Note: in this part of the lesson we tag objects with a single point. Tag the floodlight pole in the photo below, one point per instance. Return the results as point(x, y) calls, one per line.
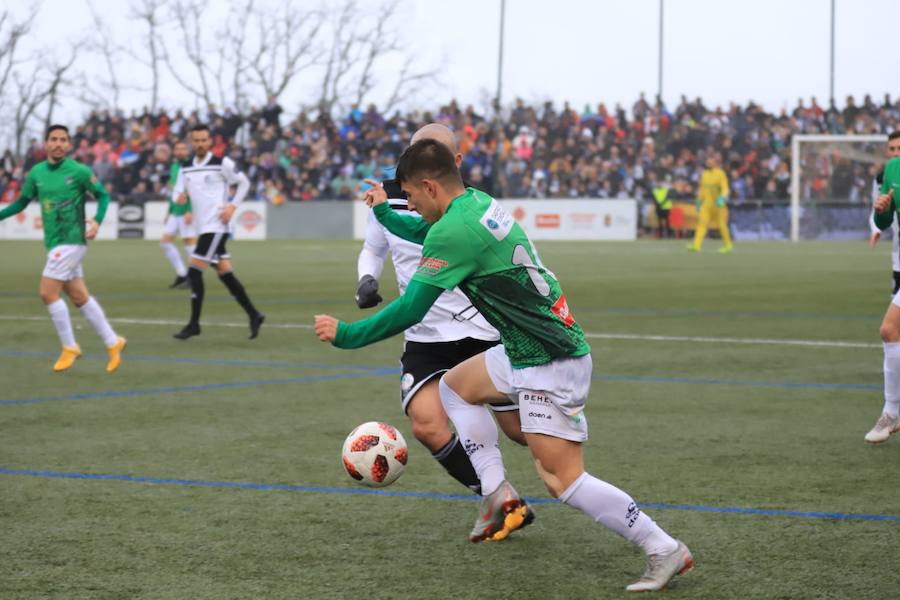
point(659, 81)
point(500, 55)
point(831, 79)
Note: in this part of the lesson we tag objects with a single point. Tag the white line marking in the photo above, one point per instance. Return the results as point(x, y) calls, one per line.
point(601, 336)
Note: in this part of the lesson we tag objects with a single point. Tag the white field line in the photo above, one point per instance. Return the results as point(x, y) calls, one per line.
point(600, 336)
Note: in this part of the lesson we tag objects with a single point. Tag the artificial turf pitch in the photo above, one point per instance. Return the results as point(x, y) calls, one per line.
point(731, 396)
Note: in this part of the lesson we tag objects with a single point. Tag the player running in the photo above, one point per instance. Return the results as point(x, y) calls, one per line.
point(60, 184)
point(207, 180)
point(179, 221)
point(543, 363)
point(450, 332)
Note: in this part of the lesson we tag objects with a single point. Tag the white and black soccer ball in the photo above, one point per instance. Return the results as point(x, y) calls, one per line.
point(375, 454)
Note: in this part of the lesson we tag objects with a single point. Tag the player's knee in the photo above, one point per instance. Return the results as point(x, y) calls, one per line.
point(431, 433)
point(48, 297)
point(889, 333)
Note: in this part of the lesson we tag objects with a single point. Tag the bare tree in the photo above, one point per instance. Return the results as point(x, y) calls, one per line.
point(103, 43)
point(30, 95)
point(188, 16)
point(150, 14)
point(57, 81)
point(11, 34)
point(287, 46)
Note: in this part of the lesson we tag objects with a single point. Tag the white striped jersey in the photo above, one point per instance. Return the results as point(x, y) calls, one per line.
point(452, 317)
point(208, 184)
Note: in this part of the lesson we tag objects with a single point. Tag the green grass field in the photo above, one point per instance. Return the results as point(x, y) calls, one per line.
point(124, 485)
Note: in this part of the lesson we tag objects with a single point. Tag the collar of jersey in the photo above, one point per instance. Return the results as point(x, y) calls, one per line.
point(203, 162)
point(53, 167)
point(468, 192)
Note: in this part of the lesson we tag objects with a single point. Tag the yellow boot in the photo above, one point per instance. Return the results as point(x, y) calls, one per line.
point(115, 354)
point(67, 358)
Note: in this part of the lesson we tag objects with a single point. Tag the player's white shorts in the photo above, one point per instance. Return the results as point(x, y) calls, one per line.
point(175, 226)
point(551, 397)
point(64, 262)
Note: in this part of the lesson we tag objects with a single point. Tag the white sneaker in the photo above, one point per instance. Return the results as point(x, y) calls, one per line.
point(884, 427)
point(661, 568)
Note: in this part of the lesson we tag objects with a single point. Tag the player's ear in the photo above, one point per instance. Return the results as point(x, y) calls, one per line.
point(430, 187)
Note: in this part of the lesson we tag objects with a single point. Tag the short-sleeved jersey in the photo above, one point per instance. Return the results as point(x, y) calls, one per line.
point(60, 189)
point(207, 183)
point(713, 183)
point(890, 181)
point(174, 207)
point(478, 246)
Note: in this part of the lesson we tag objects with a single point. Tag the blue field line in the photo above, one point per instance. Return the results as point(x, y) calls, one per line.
point(736, 382)
point(428, 495)
point(194, 388)
point(227, 362)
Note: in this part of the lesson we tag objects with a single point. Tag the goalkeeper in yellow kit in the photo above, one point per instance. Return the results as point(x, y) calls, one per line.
point(712, 198)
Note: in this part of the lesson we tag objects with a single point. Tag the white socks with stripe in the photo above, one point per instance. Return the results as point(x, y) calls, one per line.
point(59, 313)
point(174, 257)
point(608, 505)
point(94, 314)
point(892, 378)
point(478, 434)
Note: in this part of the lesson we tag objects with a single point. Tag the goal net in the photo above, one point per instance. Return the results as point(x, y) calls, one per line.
point(831, 185)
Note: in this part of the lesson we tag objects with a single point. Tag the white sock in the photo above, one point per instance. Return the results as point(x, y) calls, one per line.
point(892, 378)
point(174, 257)
point(478, 434)
point(93, 312)
point(59, 313)
point(610, 506)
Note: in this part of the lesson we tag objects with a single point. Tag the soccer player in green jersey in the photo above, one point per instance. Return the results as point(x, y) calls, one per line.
point(179, 221)
point(889, 421)
point(543, 363)
point(60, 184)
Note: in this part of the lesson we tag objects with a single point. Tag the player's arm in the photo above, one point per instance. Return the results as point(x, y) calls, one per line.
point(236, 178)
point(101, 195)
point(412, 229)
point(370, 264)
point(884, 205)
point(25, 196)
point(724, 190)
point(399, 315)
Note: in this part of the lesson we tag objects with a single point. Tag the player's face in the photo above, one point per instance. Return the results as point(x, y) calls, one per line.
point(893, 148)
point(202, 142)
point(181, 151)
point(421, 199)
point(57, 145)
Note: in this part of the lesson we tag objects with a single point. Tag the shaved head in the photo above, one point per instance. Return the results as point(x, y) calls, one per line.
point(437, 132)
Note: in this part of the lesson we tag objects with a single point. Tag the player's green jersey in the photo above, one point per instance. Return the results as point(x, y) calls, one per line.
point(478, 246)
point(174, 207)
point(61, 189)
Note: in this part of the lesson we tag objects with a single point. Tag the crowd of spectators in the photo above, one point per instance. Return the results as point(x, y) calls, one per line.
point(528, 151)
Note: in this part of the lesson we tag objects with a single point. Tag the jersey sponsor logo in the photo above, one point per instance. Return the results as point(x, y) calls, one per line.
point(70, 180)
point(561, 310)
point(430, 266)
point(497, 221)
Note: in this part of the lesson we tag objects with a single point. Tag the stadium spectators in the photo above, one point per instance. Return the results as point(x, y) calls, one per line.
point(532, 151)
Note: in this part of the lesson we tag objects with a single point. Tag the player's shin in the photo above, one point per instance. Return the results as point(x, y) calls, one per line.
point(195, 276)
point(612, 507)
point(59, 313)
point(174, 258)
point(479, 437)
point(236, 289)
point(892, 378)
point(455, 461)
point(94, 314)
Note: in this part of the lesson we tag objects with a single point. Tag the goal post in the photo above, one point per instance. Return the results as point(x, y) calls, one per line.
point(807, 149)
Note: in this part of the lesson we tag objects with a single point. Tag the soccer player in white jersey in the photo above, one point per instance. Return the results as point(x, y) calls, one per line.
point(451, 332)
point(207, 180)
point(179, 221)
point(888, 422)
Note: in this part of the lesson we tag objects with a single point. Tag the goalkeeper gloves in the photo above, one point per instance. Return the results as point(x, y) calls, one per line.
point(367, 292)
point(720, 201)
point(698, 204)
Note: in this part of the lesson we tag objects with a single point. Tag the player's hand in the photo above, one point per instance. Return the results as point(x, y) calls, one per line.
point(873, 239)
point(227, 213)
point(188, 218)
point(884, 202)
point(721, 201)
point(326, 327)
point(92, 228)
point(182, 198)
point(367, 294)
point(375, 195)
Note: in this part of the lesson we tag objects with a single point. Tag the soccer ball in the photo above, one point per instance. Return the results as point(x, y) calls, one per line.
point(375, 454)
